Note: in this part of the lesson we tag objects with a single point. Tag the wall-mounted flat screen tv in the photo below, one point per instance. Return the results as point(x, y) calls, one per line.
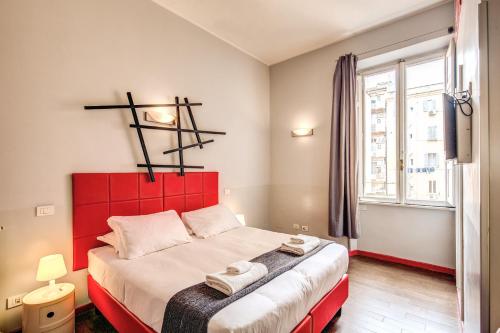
point(450, 127)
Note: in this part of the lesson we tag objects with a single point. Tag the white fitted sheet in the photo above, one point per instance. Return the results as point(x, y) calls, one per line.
point(146, 284)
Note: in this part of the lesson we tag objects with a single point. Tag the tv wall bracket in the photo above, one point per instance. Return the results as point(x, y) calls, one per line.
point(180, 148)
point(462, 98)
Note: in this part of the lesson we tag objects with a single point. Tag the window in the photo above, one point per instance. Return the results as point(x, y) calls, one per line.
point(432, 186)
point(431, 160)
point(432, 133)
point(429, 105)
point(402, 116)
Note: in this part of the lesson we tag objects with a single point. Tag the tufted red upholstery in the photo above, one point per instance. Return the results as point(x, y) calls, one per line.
point(97, 196)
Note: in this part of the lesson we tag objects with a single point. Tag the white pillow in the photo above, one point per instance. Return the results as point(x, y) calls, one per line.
point(143, 234)
point(210, 221)
point(109, 238)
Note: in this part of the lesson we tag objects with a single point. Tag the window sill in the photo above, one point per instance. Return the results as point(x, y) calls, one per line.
point(403, 205)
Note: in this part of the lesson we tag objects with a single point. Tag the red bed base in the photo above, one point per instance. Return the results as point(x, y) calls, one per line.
point(125, 321)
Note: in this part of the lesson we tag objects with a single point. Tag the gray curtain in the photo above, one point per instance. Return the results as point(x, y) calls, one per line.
point(343, 199)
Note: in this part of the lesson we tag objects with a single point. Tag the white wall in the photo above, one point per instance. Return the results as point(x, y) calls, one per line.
point(468, 55)
point(424, 235)
point(60, 55)
point(301, 95)
point(494, 161)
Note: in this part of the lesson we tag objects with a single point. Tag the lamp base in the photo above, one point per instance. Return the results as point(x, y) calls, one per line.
point(52, 290)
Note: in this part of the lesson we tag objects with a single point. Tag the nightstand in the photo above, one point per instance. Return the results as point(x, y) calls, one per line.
point(50, 309)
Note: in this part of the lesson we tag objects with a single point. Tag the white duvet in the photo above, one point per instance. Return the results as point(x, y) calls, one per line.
point(145, 284)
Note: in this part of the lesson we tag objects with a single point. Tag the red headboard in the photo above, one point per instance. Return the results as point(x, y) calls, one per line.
point(97, 196)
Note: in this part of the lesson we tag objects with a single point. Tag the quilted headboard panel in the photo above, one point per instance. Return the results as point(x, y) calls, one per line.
point(97, 196)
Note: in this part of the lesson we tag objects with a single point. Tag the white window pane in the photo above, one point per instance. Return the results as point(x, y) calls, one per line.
point(425, 158)
point(380, 153)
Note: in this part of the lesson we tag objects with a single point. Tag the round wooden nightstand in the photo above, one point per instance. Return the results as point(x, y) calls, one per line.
point(50, 310)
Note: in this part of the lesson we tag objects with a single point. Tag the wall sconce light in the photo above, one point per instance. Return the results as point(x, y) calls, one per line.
point(160, 116)
point(302, 132)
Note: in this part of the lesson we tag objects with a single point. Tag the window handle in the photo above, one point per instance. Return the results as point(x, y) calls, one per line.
point(401, 165)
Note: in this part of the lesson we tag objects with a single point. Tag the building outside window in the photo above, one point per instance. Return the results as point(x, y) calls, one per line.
point(380, 174)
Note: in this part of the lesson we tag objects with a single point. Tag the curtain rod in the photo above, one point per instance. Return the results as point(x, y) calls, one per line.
point(439, 33)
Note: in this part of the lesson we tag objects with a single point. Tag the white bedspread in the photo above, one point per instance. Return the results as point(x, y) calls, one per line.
point(145, 285)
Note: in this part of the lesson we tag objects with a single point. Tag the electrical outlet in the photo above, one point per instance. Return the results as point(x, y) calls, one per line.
point(14, 301)
point(45, 210)
point(296, 226)
point(227, 191)
point(304, 228)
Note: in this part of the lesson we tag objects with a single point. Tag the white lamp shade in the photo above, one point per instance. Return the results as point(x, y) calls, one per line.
point(51, 267)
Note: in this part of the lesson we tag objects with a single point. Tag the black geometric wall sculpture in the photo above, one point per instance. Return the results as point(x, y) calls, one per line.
point(179, 129)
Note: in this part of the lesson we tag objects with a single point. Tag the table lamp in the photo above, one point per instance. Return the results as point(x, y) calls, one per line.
point(51, 268)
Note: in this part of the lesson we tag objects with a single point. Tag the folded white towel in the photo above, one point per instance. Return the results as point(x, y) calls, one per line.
point(300, 249)
point(239, 267)
point(230, 283)
point(301, 239)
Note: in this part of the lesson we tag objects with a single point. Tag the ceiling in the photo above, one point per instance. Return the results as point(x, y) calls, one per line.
point(275, 30)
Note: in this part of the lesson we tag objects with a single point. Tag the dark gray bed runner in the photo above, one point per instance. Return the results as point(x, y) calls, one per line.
point(190, 310)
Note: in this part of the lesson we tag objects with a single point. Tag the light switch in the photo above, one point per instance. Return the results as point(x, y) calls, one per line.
point(45, 210)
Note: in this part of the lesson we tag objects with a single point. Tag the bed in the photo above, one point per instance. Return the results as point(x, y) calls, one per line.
point(132, 294)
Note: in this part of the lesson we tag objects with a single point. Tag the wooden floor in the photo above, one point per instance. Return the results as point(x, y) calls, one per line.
point(383, 298)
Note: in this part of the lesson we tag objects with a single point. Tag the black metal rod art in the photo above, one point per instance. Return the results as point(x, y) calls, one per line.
point(193, 123)
point(172, 166)
point(141, 138)
point(179, 135)
point(184, 130)
point(138, 106)
point(180, 148)
point(187, 147)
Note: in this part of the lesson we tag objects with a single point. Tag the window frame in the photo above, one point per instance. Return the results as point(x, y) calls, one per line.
point(401, 141)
